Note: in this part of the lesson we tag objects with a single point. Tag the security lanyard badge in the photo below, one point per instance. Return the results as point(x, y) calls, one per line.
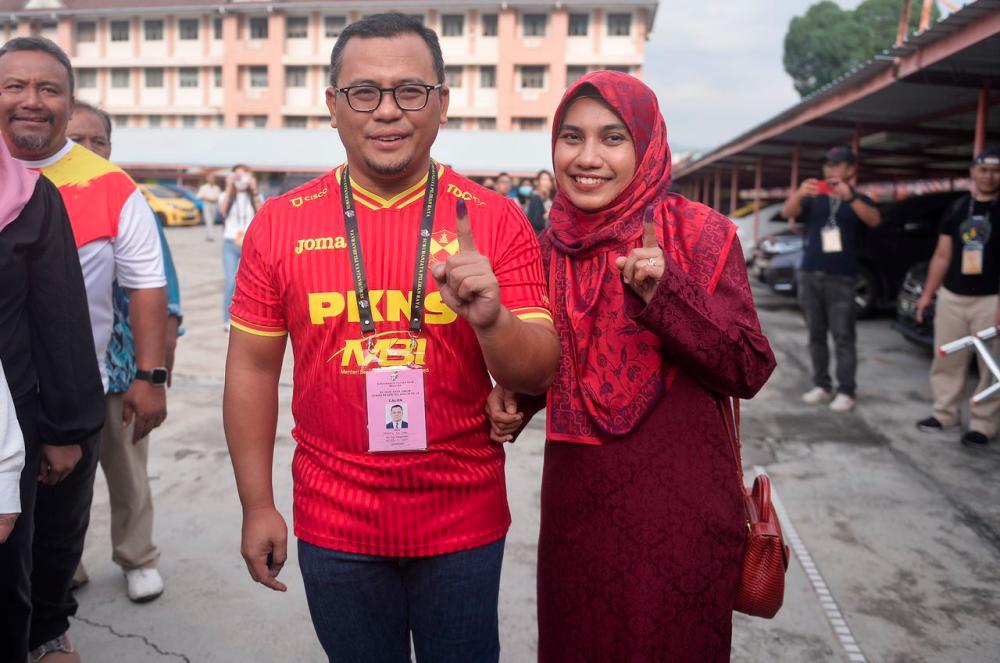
point(975, 233)
point(832, 242)
point(395, 394)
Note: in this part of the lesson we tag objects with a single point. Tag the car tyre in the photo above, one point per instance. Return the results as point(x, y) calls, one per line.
point(865, 293)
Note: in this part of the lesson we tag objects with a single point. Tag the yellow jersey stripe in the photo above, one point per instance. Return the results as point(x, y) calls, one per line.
point(256, 332)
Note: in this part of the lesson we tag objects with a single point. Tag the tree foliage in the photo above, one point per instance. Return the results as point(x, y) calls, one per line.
point(827, 41)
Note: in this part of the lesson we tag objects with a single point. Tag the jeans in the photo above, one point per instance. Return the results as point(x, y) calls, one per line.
point(827, 301)
point(366, 607)
point(230, 263)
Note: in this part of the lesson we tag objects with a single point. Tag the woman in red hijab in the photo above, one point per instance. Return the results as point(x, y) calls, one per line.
point(642, 524)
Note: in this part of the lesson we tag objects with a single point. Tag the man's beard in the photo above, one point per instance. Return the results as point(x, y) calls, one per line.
point(388, 170)
point(30, 142)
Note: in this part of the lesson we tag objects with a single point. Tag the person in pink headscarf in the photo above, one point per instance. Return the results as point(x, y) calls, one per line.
point(642, 524)
point(47, 353)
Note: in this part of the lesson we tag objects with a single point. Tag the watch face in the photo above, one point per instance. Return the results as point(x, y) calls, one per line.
point(159, 376)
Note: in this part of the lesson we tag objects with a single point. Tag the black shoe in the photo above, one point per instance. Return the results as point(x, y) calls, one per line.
point(975, 440)
point(930, 425)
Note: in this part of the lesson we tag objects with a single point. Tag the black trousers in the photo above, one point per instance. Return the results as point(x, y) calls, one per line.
point(38, 560)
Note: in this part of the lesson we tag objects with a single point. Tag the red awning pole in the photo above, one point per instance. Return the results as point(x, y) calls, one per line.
point(757, 183)
point(904, 22)
point(734, 189)
point(980, 140)
point(717, 199)
point(794, 184)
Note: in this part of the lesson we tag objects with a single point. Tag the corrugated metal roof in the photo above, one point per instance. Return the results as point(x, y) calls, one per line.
point(304, 150)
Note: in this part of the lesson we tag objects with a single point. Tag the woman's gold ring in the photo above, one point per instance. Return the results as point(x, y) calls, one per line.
point(652, 262)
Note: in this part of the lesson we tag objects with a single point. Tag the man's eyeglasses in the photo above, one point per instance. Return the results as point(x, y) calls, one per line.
point(408, 96)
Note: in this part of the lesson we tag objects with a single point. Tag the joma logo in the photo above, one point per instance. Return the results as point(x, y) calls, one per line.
point(320, 244)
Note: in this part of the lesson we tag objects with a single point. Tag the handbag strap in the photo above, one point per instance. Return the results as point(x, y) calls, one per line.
point(731, 419)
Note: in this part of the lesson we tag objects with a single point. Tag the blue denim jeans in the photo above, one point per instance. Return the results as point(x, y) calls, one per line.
point(365, 608)
point(230, 263)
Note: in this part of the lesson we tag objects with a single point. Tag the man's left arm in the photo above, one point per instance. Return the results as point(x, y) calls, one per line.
point(139, 269)
point(521, 354)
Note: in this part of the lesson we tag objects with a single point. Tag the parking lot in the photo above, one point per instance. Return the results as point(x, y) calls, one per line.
point(898, 532)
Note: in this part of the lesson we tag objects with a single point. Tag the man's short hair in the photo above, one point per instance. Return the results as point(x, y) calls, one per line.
point(395, 406)
point(101, 114)
point(42, 45)
point(504, 174)
point(386, 26)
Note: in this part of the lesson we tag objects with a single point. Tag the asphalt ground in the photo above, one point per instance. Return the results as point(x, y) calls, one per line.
point(897, 532)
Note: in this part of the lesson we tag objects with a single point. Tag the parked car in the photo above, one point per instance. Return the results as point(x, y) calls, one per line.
point(169, 208)
point(771, 222)
point(920, 333)
point(907, 235)
point(184, 193)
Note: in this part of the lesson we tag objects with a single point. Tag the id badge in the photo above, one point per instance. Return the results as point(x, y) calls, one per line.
point(831, 240)
point(396, 410)
point(972, 259)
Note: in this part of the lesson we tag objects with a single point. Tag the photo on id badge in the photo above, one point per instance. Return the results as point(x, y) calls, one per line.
point(975, 232)
point(396, 412)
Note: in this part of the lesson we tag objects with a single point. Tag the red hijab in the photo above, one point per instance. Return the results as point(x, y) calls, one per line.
point(612, 370)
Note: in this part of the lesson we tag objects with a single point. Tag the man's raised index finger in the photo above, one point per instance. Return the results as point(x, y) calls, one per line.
point(466, 242)
point(649, 238)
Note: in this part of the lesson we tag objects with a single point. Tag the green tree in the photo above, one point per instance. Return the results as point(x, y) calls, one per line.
point(828, 41)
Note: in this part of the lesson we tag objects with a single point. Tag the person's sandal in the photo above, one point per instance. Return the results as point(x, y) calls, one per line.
point(56, 650)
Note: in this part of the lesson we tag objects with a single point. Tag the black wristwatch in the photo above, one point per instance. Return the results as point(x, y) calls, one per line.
point(156, 376)
point(854, 195)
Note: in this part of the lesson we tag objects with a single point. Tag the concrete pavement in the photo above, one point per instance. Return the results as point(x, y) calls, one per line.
point(901, 527)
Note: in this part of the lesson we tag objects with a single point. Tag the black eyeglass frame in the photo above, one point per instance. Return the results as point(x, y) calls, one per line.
point(382, 92)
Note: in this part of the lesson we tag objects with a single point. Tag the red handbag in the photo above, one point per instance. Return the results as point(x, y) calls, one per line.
point(765, 559)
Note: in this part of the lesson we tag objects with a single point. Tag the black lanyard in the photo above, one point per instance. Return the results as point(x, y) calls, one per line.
point(423, 253)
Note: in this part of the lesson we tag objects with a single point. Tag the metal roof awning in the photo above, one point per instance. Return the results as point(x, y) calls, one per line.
point(916, 111)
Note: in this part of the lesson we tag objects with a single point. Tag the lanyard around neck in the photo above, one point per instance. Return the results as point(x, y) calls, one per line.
point(358, 261)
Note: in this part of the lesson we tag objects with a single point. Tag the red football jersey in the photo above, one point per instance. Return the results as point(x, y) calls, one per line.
point(295, 278)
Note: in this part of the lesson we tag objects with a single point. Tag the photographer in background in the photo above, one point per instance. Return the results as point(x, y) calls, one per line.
point(831, 210)
point(238, 204)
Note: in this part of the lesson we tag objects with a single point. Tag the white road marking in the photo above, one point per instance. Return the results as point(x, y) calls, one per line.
point(826, 599)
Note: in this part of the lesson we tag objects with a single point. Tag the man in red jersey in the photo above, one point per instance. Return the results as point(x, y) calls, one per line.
point(400, 530)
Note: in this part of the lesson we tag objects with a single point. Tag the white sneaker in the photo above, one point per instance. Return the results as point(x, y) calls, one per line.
point(816, 396)
point(143, 584)
point(842, 403)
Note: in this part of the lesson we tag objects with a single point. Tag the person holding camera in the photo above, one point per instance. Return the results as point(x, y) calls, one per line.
point(238, 205)
point(831, 210)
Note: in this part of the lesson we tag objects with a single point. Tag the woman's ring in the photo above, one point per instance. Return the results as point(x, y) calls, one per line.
point(652, 262)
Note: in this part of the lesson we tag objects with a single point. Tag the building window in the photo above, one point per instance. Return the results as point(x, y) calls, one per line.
point(188, 77)
point(489, 25)
point(295, 76)
point(121, 78)
point(258, 76)
point(529, 123)
point(155, 121)
point(258, 27)
point(454, 123)
point(189, 121)
point(86, 78)
point(532, 77)
point(453, 76)
point(619, 25)
point(333, 26)
point(86, 32)
point(217, 76)
point(488, 76)
point(220, 120)
point(217, 28)
point(154, 77)
point(119, 30)
point(259, 121)
point(452, 25)
point(297, 27)
point(296, 122)
point(574, 72)
point(579, 24)
point(534, 25)
point(486, 123)
point(187, 28)
point(625, 69)
point(119, 120)
point(152, 30)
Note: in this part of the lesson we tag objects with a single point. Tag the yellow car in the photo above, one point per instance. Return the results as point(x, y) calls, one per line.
point(170, 208)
